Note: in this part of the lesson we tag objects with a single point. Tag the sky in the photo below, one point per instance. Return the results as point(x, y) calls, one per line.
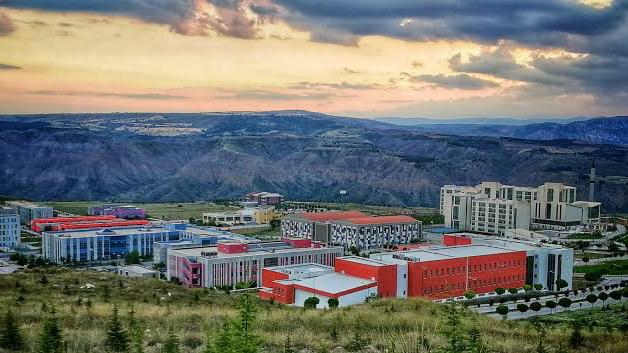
point(363, 58)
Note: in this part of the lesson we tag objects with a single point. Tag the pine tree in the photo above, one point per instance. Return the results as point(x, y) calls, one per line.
point(172, 343)
point(476, 345)
point(10, 335)
point(576, 339)
point(287, 348)
point(51, 339)
point(245, 341)
point(236, 335)
point(117, 339)
point(540, 347)
point(456, 340)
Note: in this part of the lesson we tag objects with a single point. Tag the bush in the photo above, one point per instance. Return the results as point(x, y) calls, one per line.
point(538, 286)
point(615, 294)
point(564, 302)
point(536, 306)
point(500, 291)
point(502, 310)
point(469, 294)
point(522, 308)
point(311, 303)
point(550, 304)
point(513, 290)
point(591, 298)
point(332, 303)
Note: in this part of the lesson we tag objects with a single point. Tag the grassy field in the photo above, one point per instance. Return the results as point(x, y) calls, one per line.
point(167, 211)
point(617, 267)
point(400, 326)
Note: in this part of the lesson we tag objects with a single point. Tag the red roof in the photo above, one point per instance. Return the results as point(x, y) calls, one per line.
point(332, 216)
point(381, 220)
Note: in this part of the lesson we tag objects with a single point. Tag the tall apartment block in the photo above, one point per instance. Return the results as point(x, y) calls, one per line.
point(9, 227)
point(492, 207)
point(29, 211)
point(352, 229)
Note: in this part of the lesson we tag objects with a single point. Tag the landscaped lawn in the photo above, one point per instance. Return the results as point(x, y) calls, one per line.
point(166, 211)
point(618, 267)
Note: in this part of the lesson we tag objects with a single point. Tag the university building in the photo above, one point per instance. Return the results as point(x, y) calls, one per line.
point(465, 262)
point(494, 208)
point(9, 227)
point(352, 229)
point(230, 263)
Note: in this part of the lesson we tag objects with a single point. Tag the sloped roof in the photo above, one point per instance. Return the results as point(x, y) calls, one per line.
point(380, 220)
point(331, 216)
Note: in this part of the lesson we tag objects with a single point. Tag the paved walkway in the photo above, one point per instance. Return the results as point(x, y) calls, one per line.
point(578, 302)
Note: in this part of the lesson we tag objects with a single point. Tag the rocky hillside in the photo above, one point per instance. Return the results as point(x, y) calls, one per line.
point(305, 156)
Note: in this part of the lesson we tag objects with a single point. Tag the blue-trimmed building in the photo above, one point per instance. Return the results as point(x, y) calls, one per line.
point(103, 244)
point(114, 243)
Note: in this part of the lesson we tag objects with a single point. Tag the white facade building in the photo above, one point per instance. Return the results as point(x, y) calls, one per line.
point(137, 271)
point(494, 208)
point(231, 263)
point(9, 227)
point(29, 211)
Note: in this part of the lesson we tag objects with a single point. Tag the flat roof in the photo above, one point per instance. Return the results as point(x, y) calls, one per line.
point(436, 253)
point(333, 282)
point(364, 260)
point(137, 269)
point(330, 216)
point(196, 251)
point(379, 220)
point(311, 269)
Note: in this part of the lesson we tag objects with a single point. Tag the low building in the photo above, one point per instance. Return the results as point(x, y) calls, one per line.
point(29, 211)
point(190, 236)
point(229, 218)
point(294, 284)
point(264, 198)
point(119, 211)
point(9, 227)
point(545, 263)
point(263, 215)
point(466, 263)
point(102, 244)
point(228, 264)
point(137, 271)
point(352, 229)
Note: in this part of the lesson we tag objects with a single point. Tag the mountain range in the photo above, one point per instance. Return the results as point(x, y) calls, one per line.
point(303, 155)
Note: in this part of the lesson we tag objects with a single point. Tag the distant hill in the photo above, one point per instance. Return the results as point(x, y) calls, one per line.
point(303, 155)
point(610, 130)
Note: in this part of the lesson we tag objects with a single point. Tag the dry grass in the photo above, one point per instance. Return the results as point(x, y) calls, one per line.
point(410, 326)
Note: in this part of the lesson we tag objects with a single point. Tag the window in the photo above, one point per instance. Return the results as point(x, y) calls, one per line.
point(548, 211)
point(550, 195)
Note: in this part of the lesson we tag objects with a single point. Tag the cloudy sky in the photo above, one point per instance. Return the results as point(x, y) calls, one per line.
point(432, 58)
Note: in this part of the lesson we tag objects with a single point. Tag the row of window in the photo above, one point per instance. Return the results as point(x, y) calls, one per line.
point(456, 270)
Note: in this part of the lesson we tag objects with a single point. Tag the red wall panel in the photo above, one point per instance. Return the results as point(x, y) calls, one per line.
point(386, 276)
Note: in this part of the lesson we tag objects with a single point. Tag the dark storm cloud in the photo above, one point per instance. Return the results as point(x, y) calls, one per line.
point(534, 22)
point(461, 81)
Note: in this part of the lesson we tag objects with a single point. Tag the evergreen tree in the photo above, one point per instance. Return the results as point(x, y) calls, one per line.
point(287, 348)
point(456, 340)
point(236, 335)
point(51, 339)
point(10, 335)
point(540, 347)
point(137, 339)
point(172, 342)
point(117, 339)
point(576, 339)
point(476, 345)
